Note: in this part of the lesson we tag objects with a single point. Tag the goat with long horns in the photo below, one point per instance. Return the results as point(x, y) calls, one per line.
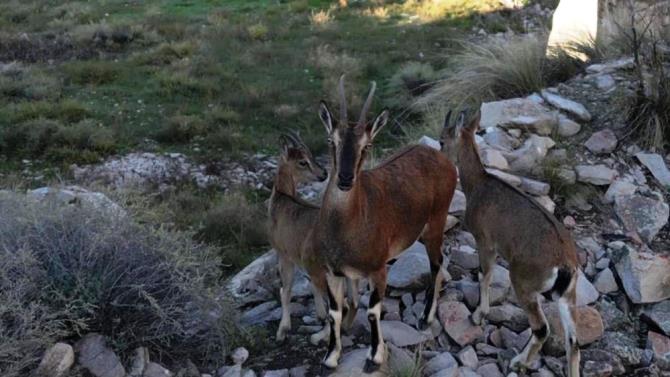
point(369, 217)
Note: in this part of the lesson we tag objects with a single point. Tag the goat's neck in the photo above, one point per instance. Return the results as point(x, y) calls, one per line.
point(347, 203)
point(471, 171)
point(284, 182)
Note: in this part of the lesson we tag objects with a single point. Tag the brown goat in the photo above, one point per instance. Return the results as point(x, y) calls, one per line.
point(540, 251)
point(368, 217)
point(290, 230)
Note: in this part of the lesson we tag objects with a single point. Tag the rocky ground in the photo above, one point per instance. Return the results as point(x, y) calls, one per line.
point(611, 194)
point(614, 199)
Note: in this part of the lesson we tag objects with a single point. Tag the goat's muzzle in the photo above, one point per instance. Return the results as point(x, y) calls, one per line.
point(345, 181)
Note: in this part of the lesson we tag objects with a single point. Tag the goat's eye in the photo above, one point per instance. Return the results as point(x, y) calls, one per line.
point(368, 147)
point(302, 163)
point(330, 140)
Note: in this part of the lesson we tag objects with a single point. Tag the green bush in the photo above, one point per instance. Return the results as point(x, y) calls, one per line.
point(68, 270)
point(181, 128)
point(83, 141)
point(409, 82)
point(92, 72)
point(236, 225)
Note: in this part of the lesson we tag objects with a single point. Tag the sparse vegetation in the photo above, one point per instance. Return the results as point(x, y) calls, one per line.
point(68, 270)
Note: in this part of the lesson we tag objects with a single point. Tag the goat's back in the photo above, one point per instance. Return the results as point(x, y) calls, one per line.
point(291, 224)
point(520, 229)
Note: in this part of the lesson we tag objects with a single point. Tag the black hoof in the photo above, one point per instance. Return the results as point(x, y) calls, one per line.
point(423, 325)
point(325, 370)
point(370, 366)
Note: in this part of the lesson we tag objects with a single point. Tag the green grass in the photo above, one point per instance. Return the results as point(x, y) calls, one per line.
point(134, 66)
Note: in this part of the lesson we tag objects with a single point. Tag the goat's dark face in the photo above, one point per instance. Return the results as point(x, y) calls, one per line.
point(349, 145)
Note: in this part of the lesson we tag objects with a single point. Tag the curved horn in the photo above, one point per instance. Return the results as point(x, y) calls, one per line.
point(296, 139)
point(446, 119)
point(368, 102)
point(343, 102)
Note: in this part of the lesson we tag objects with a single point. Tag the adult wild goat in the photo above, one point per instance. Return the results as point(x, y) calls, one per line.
point(291, 224)
point(370, 216)
point(540, 251)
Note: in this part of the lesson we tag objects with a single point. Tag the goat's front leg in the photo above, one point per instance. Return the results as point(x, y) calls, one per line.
point(286, 272)
point(335, 300)
point(352, 307)
point(377, 352)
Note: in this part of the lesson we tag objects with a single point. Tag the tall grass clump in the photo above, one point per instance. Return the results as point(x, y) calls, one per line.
point(499, 70)
point(67, 270)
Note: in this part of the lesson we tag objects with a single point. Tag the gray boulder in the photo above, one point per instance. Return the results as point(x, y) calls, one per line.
point(455, 319)
point(411, 270)
point(602, 142)
point(443, 364)
point(401, 334)
point(645, 276)
point(654, 162)
point(567, 127)
point(643, 215)
point(659, 314)
point(569, 106)
point(599, 175)
point(57, 361)
point(94, 356)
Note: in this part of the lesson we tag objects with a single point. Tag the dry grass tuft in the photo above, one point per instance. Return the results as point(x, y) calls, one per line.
point(69, 270)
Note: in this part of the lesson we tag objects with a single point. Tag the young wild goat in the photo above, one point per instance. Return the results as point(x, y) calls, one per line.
point(291, 224)
point(540, 251)
point(370, 216)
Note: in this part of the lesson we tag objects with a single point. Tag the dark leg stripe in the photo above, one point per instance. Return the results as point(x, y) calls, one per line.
point(374, 299)
point(541, 333)
point(374, 334)
point(331, 341)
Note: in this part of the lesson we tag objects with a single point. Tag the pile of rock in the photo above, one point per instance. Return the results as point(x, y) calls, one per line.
point(91, 354)
point(623, 293)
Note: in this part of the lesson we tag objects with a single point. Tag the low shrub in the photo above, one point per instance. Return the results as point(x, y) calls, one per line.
point(92, 72)
point(68, 270)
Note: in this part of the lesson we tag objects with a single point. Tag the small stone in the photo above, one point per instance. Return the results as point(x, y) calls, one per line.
point(276, 373)
point(300, 371)
point(508, 315)
point(100, 361)
point(654, 162)
point(605, 282)
point(429, 141)
point(586, 292)
point(455, 319)
point(659, 314)
point(466, 257)
point(659, 344)
point(567, 176)
point(401, 334)
point(500, 140)
point(602, 263)
point(458, 202)
point(240, 355)
point(600, 359)
point(533, 151)
point(156, 370)
point(605, 82)
point(541, 124)
point(468, 357)
point(599, 175)
point(534, 187)
point(56, 361)
point(490, 370)
point(493, 158)
point(567, 105)
point(567, 127)
point(602, 142)
point(569, 222)
point(140, 361)
point(443, 363)
point(619, 187)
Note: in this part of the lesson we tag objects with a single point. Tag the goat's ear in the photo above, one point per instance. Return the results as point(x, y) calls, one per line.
point(285, 144)
point(473, 126)
point(460, 124)
point(326, 117)
point(380, 121)
point(446, 128)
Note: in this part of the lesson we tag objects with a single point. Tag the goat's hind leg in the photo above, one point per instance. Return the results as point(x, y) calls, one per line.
point(432, 237)
point(487, 261)
point(319, 288)
point(352, 303)
point(567, 310)
point(540, 328)
point(286, 273)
